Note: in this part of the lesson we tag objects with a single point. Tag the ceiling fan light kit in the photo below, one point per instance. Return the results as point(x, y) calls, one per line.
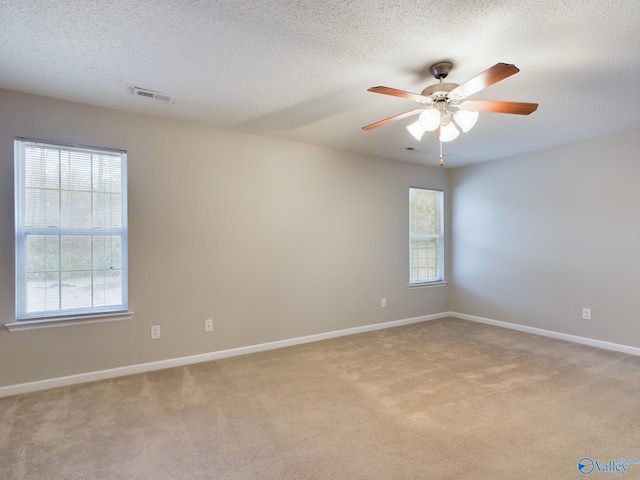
point(430, 119)
point(443, 105)
point(416, 129)
point(466, 119)
point(448, 132)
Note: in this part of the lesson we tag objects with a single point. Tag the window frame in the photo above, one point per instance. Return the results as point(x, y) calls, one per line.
point(22, 231)
point(440, 239)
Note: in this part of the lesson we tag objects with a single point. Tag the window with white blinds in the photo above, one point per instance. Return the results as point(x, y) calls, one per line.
point(426, 236)
point(71, 230)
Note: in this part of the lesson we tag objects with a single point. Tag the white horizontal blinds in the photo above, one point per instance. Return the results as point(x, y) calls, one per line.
point(425, 236)
point(70, 230)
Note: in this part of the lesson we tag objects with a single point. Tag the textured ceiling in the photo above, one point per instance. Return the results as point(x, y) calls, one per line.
point(299, 69)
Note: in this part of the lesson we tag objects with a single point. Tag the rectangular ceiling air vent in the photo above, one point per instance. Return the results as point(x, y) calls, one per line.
point(161, 97)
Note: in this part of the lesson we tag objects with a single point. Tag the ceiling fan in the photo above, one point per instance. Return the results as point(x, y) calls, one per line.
point(444, 105)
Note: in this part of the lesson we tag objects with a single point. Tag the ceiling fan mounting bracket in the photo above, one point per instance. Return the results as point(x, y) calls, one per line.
point(440, 70)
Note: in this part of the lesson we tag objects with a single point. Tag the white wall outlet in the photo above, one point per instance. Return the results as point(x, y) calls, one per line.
point(586, 314)
point(208, 325)
point(383, 303)
point(155, 332)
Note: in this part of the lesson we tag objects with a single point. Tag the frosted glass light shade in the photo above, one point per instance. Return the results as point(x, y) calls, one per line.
point(430, 119)
point(416, 129)
point(448, 132)
point(466, 119)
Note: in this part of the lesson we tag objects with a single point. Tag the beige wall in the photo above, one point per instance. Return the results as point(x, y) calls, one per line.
point(277, 240)
point(271, 239)
point(539, 236)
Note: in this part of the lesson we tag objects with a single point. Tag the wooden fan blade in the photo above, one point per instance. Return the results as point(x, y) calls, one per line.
point(518, 108)
point(392, 119)
point(398, 93)
point(498, 72)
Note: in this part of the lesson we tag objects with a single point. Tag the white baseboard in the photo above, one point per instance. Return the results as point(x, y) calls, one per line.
point(616, 347)
point(204, 357)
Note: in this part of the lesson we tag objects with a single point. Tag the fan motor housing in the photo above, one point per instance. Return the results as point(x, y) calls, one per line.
point(438, 91)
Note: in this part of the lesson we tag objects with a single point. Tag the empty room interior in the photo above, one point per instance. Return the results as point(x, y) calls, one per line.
point(233, 246)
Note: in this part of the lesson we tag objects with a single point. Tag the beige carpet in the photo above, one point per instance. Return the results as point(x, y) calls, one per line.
point(446, 399)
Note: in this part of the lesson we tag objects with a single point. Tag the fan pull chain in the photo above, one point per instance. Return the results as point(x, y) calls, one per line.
point(441, 161)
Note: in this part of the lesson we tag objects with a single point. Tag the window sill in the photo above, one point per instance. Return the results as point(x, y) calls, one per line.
point(427, 285)
point(67, 321)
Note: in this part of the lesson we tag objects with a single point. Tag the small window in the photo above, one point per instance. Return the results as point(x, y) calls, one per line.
point(426, 239)
point(71, 230)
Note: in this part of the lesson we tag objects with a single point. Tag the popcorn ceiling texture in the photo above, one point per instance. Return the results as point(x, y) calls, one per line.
point(299, 70)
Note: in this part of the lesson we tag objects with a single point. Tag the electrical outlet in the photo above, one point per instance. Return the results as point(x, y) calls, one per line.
point(155, 332)
point(586, 314)
point(383, 303)
point(208, 325)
